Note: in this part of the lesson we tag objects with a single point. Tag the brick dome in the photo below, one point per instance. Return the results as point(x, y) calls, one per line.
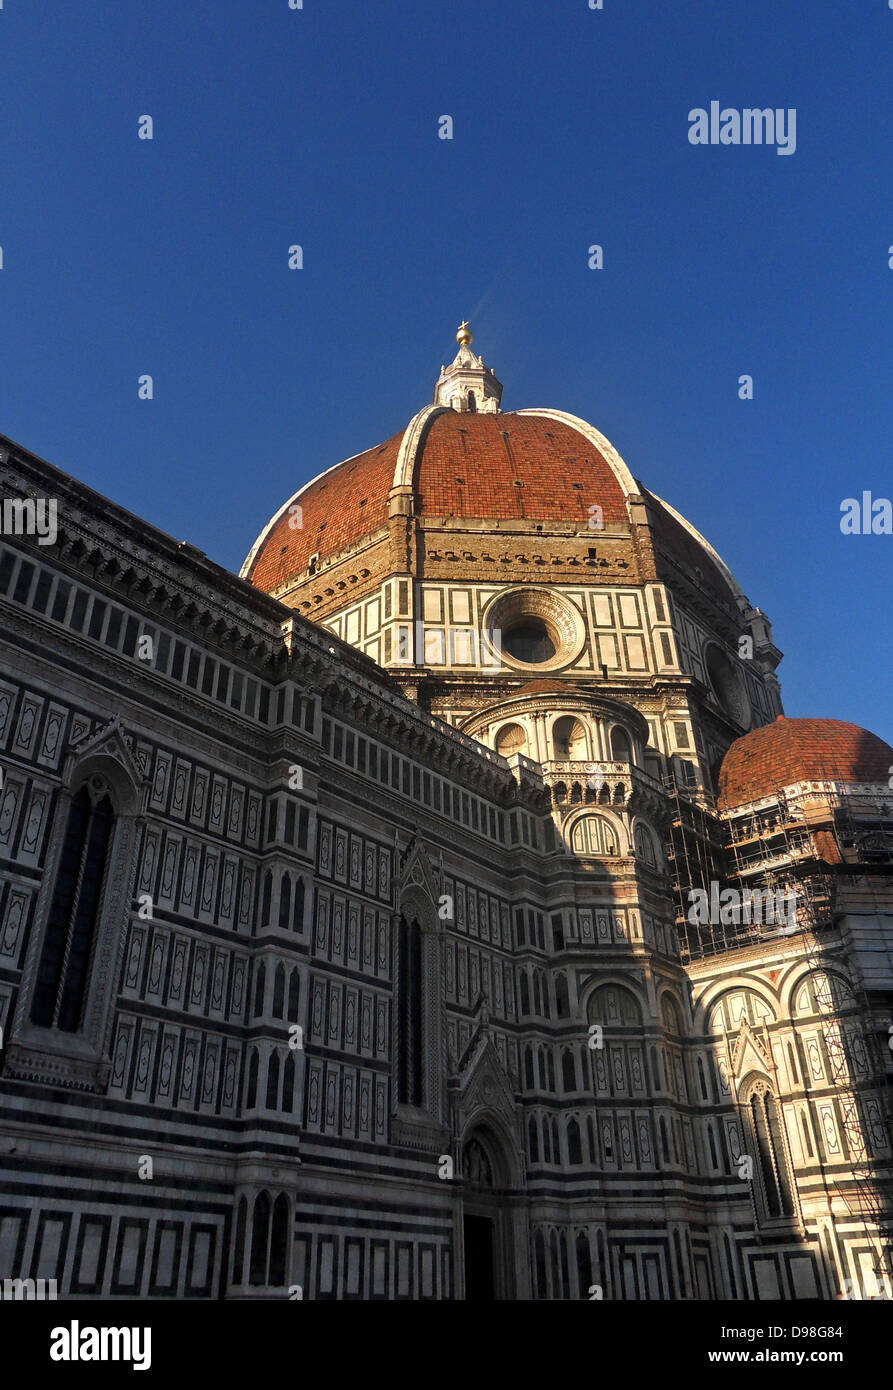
point(506, 467)
point(800, 750)
point(468, 489)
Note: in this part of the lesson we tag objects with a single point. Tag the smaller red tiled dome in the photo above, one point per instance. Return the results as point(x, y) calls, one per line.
point(800, 750)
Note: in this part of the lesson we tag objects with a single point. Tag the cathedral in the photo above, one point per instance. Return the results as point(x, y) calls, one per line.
point(443, 908)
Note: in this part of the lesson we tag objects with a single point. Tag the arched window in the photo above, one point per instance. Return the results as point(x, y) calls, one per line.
point(259, 983)
point(260, 1239)
point(471, 403)
point(265, 899)
point(273, 1082)
point(767, 1148)
point(614, 1005)
point(525, 993)
point(511, 739)
point(594, 835)
point(539, 1247)
point(568, 1071)
point(621, 751)
point(289, 1083)
point(294, 987)
point(574, 1144)
point(533, 1140)
point(669, 1012)
point(251, 1087)
point(239, 1243)
point(409, 1001)
point(63, 970)
point(569, 739)
point(562, 1002)
point(297, 914)
point(529, 1077)
point(645, 845)
point(279, 992)
point(279, 1242)
point(285, 902)
point(664, 1141)
point(550, 1066)
point(584, 1264)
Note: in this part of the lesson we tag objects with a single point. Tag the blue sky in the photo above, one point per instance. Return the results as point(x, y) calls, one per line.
point(319, 127)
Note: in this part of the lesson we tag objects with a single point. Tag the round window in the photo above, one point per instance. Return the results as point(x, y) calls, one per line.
point(534, 628)
point(529, 641)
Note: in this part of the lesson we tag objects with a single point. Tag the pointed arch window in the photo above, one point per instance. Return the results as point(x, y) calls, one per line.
point(409, 1004)
point(63, 969)
point(285, 902)
point(768, 1149)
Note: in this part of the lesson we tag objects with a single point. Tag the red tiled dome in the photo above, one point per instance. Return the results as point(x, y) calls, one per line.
point(800, 750)
point(488, 466)
point(337, 509)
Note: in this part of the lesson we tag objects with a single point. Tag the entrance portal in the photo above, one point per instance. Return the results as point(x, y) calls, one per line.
point(480, 1253)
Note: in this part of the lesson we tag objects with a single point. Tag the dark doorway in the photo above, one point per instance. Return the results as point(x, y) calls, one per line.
point(479, 1254)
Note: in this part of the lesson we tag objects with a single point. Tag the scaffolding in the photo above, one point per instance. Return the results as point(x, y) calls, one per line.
point(777, 847)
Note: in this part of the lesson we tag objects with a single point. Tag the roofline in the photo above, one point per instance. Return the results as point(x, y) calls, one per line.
point(245, 571)
point(693, 531)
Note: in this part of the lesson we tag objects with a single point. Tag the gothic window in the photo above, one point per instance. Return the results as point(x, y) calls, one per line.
point(279, 1242)
point(539, 1246)
point(266, 895)
point(562, 1003)
point(251, 1087)
point(294, 986)
point(525, 993)
point(259, 983)
point(645, 845)
point(260, 1234)
point(289, 1083)
point(63, 969)
point(409, 1005)
point(268, 1264)
point(285, 902)
point(773, 1184)
point(574, 1143)
point(239, 1255)
point(568, 1071)
point(669, 1011)
point(529, 1079)
point(273, 1083)
point(533, 1140)
point(584, 1264)
point(298, 906)
point(279, 992)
